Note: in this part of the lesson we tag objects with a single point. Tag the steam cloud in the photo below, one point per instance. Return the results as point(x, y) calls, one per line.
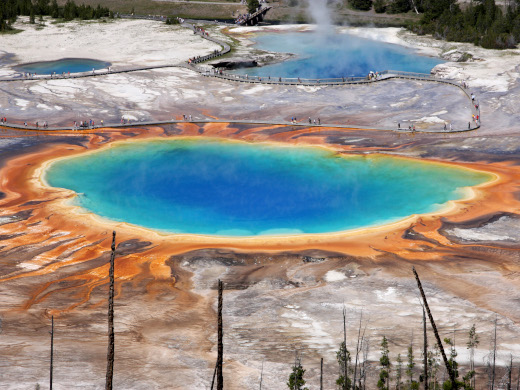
point(320, 12)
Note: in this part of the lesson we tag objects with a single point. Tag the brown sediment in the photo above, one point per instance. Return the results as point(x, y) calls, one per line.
point(79, 240)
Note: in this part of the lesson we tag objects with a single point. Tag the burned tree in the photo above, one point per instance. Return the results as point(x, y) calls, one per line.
point(437, 337)
point(110, 353)
point(52, 353)
point(220, 344)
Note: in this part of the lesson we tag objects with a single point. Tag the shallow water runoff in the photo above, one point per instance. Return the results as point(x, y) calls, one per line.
point(335, 55)
point(238, 189)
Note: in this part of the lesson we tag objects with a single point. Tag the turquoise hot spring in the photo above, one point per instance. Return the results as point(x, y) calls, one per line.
point(64, 65)
point(227, 188)
point(333, 55)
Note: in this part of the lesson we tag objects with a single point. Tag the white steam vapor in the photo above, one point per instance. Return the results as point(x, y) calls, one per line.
point(320, 12)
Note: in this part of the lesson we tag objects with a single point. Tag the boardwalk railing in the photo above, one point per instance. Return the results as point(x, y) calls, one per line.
point(282, 80)
point(289, 125)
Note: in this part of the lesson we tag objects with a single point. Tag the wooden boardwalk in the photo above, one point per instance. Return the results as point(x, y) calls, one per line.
point(255, 18)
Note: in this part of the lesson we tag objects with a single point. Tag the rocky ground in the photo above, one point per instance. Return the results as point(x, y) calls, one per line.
point(279, 297)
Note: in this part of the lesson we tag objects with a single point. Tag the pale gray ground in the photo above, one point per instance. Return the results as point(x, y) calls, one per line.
point(167, 93)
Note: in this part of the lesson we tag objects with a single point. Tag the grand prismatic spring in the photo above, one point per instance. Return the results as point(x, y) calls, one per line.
point(203, 187)
point(307, 200)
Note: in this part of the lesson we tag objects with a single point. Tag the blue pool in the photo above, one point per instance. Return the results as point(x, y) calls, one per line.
point(239, 189)
point(72, 65)
point(335, 55)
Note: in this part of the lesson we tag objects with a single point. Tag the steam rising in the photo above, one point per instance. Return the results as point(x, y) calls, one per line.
point(319, 11)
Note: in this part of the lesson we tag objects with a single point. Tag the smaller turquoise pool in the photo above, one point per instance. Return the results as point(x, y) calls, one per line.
point(72, 65)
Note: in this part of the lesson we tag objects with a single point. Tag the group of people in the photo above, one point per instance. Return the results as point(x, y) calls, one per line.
point(243, 17)
point(3, 120)
point(372, 76)
point(45, 125)
point(411, 127)
point(316, 121)
point(84, 124)
point(200, 30)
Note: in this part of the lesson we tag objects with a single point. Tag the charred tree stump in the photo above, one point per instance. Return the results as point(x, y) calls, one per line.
point(220, 344)
point(437, 337)
point(110, 353)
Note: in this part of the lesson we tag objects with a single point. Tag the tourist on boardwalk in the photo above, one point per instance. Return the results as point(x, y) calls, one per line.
point(319, 121)
point(309, 120)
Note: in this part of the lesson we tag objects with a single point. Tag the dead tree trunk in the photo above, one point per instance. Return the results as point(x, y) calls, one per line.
point(110, 353)
point(425, 350)
point(321, 374)
point(220, 345)
point(345, 349)
point(357, 351)
point(494, 356)
point(262, 374)
point(52, 352)
point(214, 375)
point(366, 350)
point(437, 337)
point(509, 373)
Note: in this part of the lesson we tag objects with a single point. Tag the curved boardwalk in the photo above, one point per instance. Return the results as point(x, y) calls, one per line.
point(192, 64)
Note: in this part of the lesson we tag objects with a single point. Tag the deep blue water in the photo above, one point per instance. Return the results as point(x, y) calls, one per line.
point(227, 188)
point(72, 65)
point(335, 55)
